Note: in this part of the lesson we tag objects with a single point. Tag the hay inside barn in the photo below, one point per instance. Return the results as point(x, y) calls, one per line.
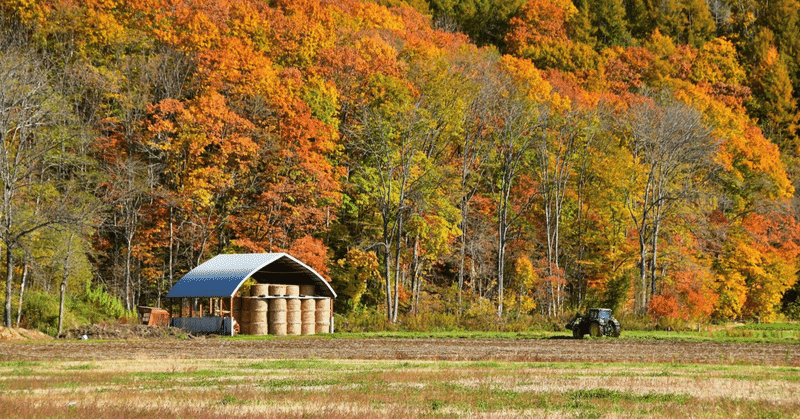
point(210, 298)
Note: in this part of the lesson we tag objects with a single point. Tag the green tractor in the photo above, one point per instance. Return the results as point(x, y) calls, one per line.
point(597, 322)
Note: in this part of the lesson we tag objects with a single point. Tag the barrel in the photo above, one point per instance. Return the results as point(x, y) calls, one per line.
point(293, 323)
point(307, 290)
point(292, 290)
point(308, 316)
point(257, 290)
point(277, 316)
point(323, 315)
point(244, 324)
point(277, 290)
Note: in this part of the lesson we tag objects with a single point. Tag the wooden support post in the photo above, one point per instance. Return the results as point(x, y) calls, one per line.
point(331, 327)
point(231, 314)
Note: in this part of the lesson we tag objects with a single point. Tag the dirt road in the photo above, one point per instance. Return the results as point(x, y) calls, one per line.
point(528, 350)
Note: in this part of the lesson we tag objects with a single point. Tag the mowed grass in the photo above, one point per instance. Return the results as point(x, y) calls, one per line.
point(315, 388)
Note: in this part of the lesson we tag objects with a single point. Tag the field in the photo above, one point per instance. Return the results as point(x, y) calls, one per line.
point(352, 377)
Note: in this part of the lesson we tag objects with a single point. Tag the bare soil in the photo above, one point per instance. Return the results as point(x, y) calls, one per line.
point(122, 331)
point(527, 350)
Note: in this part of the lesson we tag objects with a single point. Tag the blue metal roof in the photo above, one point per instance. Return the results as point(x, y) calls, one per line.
point(222, 275)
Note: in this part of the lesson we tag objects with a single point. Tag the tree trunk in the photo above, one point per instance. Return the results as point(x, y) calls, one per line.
point(462, 256)
point(9, 284)
point(64, 278)
point(501, 254)
point(22, 292)
point(128, 252)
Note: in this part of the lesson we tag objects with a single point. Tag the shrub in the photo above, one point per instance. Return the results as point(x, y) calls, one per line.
point(362, 319)
point(40, 311)
point(95, 305)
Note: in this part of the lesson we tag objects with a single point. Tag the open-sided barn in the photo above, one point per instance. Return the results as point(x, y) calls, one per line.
point(255, 293)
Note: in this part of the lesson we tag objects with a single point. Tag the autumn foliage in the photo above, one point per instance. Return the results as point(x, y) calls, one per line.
point(597, 155)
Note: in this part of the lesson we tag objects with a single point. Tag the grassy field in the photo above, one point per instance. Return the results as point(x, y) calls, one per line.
point(316, 388)
point(178, 385)
point(757, 333)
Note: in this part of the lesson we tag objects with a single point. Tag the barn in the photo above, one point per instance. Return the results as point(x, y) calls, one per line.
point(256, 294)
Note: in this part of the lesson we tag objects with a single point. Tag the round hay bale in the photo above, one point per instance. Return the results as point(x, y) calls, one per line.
point(277, 316)
point(292, 290)
point(258, 304)
point(323, 305)
point(293, 316)
point(244, 322)
point(293, 304)
point(258, 316)
point(277, 290)
point(323, 315)
point(308, 316)
point(307, 290)
point(277, 329)
point(277, 305)
point(259, 329)
point(294, 329)
point(308, 305)
point(257, 290)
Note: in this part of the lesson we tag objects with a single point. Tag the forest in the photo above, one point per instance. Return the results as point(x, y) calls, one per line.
point(445, 163)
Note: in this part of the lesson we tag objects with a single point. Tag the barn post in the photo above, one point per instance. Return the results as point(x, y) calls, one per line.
point(169, 307)
point(331, 314)
point(230, 314)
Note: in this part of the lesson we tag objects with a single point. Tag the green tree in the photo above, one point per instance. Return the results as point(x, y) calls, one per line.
point(606, 21)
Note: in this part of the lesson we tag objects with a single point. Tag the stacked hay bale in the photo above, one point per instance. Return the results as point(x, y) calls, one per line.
point(323, 315)
point(259, 290)
point(293, 323)
point(277, 310)
point(308, 306)
point(258, 316)
point(244, 325)
point(280, 310)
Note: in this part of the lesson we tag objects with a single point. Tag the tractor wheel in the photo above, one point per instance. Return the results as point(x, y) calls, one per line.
point(595, 330)
point(576, 333)
point(617, 329)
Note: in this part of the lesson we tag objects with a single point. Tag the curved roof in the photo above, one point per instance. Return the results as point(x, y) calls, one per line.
point(222, 275)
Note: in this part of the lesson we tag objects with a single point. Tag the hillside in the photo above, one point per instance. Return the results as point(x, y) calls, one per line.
point(449, 160)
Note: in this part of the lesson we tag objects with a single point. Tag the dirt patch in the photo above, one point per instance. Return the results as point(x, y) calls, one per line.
point(122, 332)
point(525, 350)
point(18, 334)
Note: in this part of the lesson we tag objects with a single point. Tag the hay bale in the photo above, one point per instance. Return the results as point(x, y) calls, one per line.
point(308, 316)
point(277, 316)
point(323, 315)
point(258, 304)
point(292, 290)
point(259, 329)
point(258, 290)
point(277, 290)
point(244, 324)
point(293, 316)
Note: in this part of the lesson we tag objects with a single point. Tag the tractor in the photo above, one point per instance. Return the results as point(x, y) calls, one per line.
point(597, 322)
